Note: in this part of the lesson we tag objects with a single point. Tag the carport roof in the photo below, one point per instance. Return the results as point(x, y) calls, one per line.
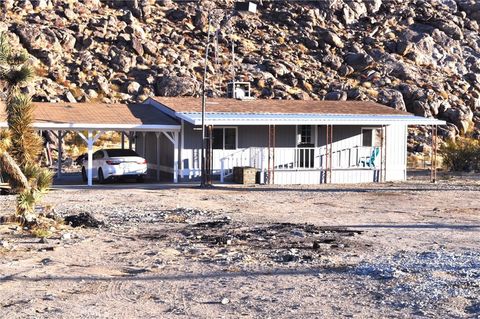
point(98, 116)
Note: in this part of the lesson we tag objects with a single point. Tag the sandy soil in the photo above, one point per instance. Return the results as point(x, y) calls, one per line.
point(416, 254)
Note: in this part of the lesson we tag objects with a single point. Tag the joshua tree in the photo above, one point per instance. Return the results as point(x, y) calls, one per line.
point(20, 145)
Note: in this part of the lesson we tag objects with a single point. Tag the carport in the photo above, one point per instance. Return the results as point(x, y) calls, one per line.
point(91, 120)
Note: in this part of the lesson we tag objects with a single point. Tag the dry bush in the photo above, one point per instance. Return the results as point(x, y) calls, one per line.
point(461, 155)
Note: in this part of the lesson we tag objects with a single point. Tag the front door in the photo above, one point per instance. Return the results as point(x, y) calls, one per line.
point(306, 146)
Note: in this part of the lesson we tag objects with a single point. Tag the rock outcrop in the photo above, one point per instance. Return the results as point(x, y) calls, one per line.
point(417, 55)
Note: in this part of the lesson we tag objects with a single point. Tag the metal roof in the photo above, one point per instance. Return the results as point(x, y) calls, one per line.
point(98, 116)
point(287, 112)
point(304, 119)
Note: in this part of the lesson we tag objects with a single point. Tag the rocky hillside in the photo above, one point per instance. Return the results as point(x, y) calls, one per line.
point(419, 55)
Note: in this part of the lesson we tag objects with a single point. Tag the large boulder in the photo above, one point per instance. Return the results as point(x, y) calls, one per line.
point(176, 86)
point(392, 98)
point(460, 117)
point(336, 96)
point(42, 43)
point(471, 8)
point(331, 38)
point(358, 61)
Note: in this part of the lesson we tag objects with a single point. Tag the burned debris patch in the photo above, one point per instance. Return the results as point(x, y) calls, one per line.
point(222, 240)
point(83, 220)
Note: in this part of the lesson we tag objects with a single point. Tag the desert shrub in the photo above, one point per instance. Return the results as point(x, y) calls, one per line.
point(461, 155)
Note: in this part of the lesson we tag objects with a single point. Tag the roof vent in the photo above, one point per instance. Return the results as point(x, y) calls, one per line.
point(239, 90)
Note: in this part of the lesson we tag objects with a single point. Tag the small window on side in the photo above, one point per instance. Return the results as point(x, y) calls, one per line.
point(217, 135)
point(371, 137)
point(367, 137)
point(230, 139)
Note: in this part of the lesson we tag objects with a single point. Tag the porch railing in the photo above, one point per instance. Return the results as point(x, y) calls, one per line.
point(293, 159)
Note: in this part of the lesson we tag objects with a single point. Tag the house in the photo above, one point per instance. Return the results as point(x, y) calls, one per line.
point(287, 141)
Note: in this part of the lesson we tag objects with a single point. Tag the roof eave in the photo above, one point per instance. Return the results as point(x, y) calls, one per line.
point(328, 119)
point(104, 127)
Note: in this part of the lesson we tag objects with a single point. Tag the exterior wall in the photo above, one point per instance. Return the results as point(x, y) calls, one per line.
point(247, 136)
point(396, 153)
point(158, 153)
point(347, 142)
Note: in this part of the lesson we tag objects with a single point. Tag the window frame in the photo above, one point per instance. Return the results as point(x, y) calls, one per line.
point(96, 155)
point(314, 135)
point(223, 137)
point(372, 129)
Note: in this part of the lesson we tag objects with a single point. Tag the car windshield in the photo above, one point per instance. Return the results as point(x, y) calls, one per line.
point(120, 153)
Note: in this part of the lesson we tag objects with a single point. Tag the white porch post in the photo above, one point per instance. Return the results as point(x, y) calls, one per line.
point(262, 164)
point(90, 139)
point(222, 170)
point(90, 158)
point(175, 157)
point(173, 137)
point(157, 134)
point(182, 147)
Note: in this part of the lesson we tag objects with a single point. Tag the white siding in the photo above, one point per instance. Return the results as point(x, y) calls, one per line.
point(347, 138)
point(396, 152)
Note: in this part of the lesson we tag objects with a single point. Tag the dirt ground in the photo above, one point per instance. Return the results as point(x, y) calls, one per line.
point(398, 250)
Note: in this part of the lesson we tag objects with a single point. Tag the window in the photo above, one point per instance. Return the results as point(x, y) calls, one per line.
point(224, 138)
point(305, 134)
point(371, 137)
point(98, 155)
point(367, 137)
point(121, 152)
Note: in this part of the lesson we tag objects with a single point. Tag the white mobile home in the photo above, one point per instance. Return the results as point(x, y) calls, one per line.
point(287, 141)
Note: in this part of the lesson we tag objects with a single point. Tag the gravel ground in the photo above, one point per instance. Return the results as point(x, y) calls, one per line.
point(398, 250)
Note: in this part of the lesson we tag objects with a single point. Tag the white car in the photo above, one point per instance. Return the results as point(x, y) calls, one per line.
point(112, 163)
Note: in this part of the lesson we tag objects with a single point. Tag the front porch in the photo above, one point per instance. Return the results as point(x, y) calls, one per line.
point(309, 165)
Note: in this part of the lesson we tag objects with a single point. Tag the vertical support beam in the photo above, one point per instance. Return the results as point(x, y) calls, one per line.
point(385, 155)
point(262, 165)
point(130, 137)
point(175, 157)
point(273, 157)
point(433, 171)
point(90, 158)
point(144, 148)
point(328, 153)
point(60, 154)
point(123, 139)
point(327, 132)
point(157, 135)
point(380, 172)
point(209, 155)
point(271, 154)
point(331, 152)
point(182, 147)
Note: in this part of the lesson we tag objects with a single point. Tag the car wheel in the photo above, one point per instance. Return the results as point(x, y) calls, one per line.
point(101, 178)
point(84, 174)
point(140, 179)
